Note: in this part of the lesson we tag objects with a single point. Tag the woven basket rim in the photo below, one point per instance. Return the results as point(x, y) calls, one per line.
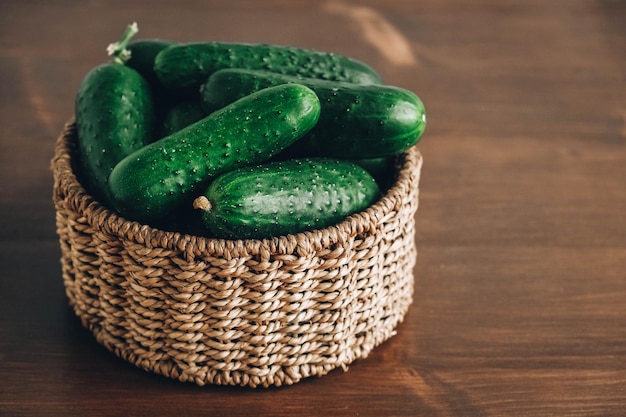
point(67, 187)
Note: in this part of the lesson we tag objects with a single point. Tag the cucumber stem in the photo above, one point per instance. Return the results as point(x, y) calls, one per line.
point(118, 49)
point(202, 203)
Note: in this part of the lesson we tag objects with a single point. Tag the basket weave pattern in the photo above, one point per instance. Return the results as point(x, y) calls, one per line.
point(237, 312)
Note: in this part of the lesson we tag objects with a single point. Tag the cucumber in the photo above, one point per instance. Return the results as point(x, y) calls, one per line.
point(185, 67)
point(285, 197)
point(356, 121)
point(153, 181)
point(142, 55)
point(114, 117)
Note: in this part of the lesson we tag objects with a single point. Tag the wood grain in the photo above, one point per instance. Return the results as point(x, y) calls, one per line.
point(520, 279)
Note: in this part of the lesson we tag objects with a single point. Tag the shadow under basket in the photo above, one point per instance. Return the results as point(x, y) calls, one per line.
point(237, 312)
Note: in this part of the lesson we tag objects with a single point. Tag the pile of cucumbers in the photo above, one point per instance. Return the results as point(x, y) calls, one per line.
point(243, 140)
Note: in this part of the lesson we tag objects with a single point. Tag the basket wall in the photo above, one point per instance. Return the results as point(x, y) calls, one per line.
point(250, 313)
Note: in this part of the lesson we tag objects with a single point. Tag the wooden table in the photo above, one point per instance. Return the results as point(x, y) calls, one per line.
point(520, 301)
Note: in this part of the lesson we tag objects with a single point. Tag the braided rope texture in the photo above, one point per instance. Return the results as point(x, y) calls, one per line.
point(254, 313)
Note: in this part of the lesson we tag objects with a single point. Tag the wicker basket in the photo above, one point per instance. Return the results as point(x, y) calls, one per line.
point(250, 313)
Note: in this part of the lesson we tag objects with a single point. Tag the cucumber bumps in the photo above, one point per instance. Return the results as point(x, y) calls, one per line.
point(156, 179)
point(114, 117)
point(280, 198)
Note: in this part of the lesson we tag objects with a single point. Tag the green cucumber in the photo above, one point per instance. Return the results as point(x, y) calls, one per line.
point(185, 67)
point(285, 197)
point(356, 121)
point(114, 117)
point(143, 52)
point(155, 180)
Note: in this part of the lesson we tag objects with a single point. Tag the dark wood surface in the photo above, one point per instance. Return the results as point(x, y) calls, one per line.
point(520, 302)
